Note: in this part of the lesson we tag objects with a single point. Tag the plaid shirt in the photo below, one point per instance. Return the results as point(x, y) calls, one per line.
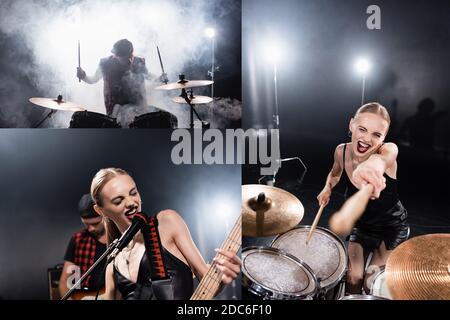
point(82, 253)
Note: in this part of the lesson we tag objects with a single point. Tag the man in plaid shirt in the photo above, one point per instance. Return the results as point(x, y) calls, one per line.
point(84, 248)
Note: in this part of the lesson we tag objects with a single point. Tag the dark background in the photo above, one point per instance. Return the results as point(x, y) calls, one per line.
point(319, 92)
point(45, 172)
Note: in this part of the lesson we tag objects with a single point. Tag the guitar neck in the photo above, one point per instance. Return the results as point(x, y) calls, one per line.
point(212, 280)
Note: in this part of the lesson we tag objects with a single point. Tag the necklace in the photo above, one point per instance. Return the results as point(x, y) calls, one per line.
point(128, 258)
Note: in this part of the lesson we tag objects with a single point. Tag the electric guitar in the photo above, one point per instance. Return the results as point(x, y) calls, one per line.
point(212, 280)
point(87, 294)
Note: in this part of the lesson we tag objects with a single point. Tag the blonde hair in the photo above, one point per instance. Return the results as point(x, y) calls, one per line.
point(98, 182)
point(374, 108)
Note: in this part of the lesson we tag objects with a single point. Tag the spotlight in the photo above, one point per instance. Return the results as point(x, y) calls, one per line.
point(273, 53)
point(210, 32)
point(362, 66)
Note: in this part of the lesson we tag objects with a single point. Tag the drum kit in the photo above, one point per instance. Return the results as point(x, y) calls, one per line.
point(298, 266)
point(83, 118)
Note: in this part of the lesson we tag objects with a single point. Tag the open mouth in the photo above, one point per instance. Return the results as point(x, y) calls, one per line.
point(130, 213)
point(362, 147)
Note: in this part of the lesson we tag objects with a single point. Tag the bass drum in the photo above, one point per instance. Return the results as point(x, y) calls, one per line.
point(270, 274)
point(88, 119)
point(156, 120)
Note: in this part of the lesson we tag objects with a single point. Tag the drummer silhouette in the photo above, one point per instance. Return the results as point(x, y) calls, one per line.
point(124, 76)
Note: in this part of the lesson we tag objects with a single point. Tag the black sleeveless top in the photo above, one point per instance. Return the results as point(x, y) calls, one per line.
point(385, 211)
point(178, 287)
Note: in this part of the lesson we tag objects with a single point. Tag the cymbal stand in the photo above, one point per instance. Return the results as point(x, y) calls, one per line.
point(188, 97)
point(52, 112)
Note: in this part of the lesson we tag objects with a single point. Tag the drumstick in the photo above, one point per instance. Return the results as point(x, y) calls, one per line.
point(343, 221)
point(316, 220)
point(79, 57)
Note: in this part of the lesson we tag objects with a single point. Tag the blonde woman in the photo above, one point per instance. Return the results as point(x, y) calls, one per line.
point(129, 276)
point(368, 159)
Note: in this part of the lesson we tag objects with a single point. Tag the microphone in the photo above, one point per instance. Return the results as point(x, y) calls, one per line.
point(139, 220)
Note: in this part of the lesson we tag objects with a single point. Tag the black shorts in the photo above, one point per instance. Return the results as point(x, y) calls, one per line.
point(393, 232)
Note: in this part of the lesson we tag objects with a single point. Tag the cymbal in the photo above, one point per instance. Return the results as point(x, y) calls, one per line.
point(195, 100)
point(267, 211)
point(419, 269)
point(57, 104)
point(184, 84)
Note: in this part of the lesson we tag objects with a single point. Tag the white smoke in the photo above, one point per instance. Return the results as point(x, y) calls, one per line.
point(52, 29)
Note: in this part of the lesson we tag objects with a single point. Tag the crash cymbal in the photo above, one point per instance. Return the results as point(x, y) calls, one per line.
point(419, 269)
point(267, 211)
point(57, 104)
point(195, 100)
point(184, 84)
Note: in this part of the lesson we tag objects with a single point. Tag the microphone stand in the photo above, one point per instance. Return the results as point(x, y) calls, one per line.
point(111, 247)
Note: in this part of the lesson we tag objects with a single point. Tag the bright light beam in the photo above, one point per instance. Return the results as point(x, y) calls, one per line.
point(273, 53)
point(362, 66)
point(210, 32)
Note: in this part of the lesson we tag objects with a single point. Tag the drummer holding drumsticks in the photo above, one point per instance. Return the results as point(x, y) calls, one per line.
point(368, 161)
point(124, 76)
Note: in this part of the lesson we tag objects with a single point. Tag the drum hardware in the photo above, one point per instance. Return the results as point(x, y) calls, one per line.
point(269, 211)
point(419, 268)
point(187, 96)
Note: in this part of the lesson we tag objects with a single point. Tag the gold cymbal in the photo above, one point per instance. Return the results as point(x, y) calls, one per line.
point(184, 84)
point(419, 269)
point(195, 100)
point(57, 104)
point(267, 211)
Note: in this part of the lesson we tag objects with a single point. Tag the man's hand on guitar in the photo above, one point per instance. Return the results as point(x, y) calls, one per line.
point(229, 264)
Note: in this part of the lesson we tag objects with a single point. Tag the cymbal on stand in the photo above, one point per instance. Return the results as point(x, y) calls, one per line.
point(419, 269)
point(185, 84)
point(57, 104)
point(267, 211)
point(194, 100)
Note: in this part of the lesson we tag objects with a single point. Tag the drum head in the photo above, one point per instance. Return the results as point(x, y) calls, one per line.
point(277, 275)
point(87, 119)
point(325, 253)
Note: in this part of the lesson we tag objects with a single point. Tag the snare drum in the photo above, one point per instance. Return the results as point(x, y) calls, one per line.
point(270, 274)
point(87, 119)
point(379, 287)
point(159, 119)
point(326, 254)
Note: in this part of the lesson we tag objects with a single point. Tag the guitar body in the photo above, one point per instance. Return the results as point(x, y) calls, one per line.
point(87, 294)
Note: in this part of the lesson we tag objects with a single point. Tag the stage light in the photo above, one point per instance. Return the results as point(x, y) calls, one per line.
point(362, 66)
point(210, 32)
point(273, 53)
